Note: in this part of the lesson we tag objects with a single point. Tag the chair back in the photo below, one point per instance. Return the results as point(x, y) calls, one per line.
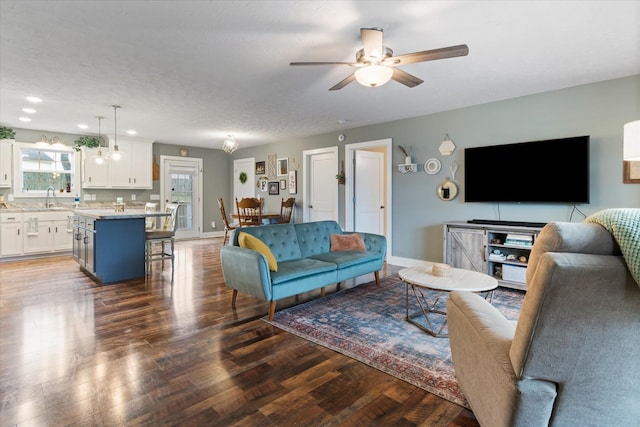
point(223, 213)
point(150, 221)
point(286, 209)
point(171, 221)
point(249, 211)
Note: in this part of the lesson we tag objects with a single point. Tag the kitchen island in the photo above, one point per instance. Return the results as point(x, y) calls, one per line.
point(109, 246)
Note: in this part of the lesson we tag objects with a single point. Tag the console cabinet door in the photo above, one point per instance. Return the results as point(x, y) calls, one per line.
point(465, 248)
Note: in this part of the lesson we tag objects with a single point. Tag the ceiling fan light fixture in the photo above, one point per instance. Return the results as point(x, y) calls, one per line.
point(373, 75)
point(230, 145)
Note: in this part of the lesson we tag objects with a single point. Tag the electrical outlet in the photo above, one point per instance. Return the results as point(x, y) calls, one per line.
point(87, 196)
point(154, 197)
point(133, 197)
point(213, 224)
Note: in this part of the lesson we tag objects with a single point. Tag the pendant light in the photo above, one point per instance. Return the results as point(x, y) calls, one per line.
point(99, 158)
point(116, 154)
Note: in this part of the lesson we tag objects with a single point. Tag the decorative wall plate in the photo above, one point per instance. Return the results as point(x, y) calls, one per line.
point(432, 166)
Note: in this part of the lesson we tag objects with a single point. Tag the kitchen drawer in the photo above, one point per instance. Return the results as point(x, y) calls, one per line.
point(11, 217)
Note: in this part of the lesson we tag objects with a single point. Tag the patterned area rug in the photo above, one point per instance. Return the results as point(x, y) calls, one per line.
point(368, 324)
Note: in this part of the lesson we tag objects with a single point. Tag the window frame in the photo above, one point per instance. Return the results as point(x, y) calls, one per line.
point(18, 176)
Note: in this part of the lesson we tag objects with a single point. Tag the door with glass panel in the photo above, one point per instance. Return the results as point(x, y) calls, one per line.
point(182, 183)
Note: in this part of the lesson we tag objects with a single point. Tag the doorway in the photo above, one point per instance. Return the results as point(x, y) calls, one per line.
point(182, 183)
point(248, 187)
point(320, 189)
point(370, 182)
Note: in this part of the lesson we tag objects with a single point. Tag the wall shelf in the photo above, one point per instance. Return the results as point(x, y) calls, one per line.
point(408, 168)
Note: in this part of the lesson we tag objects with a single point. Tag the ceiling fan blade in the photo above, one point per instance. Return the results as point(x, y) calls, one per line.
point(405, 78)
point(372, 42)
point(322, 63)
point(429, 55)
point(344, 82)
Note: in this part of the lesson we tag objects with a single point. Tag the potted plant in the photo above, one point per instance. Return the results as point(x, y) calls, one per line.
point(86, 141)
point(7, 133)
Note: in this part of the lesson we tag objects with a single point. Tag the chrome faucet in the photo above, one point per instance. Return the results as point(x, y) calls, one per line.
point(53, 191)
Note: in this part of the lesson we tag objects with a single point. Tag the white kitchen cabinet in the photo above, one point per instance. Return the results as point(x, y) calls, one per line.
point(134, 169)
point(63, 233)
point(47, 232)
point(5, 162)
point(35, 232)
point(94, 175)
point(11, 242)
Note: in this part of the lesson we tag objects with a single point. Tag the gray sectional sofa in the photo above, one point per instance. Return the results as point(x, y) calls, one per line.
point(304, 258)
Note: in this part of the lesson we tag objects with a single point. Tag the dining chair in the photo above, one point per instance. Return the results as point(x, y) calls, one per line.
point(161, 237)
point(227, 226)
point(249, 211)
point(286, 210)
point(150, 221)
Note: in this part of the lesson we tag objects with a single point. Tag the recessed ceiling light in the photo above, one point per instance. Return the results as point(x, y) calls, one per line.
point(34, 99)
point(131, 132)
point(29, 110)
point(24, 119)
point(82, 126)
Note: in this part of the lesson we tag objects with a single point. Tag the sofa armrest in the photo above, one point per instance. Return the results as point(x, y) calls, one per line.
point(375, 243)
point(246, 270)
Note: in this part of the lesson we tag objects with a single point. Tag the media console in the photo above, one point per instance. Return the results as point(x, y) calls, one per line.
point(500, 249)
point(513, 223)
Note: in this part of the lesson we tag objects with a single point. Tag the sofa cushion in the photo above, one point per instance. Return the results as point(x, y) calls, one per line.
point(300, 268)
point(344, 259)
point(347, 242)
point(280, 238)
point(313, 237)
point(251, 242)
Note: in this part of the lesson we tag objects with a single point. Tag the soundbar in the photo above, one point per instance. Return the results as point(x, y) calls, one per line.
point(511, 223)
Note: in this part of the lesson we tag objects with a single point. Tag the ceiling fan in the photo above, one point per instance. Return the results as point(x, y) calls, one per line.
point(377, 65)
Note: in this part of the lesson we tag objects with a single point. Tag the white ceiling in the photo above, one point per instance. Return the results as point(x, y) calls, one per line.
point(191, 72)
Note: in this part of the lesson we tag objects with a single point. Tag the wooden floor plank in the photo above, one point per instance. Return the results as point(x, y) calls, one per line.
point(146, 352)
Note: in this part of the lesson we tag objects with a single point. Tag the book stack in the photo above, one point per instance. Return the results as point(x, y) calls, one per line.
point(519, 239)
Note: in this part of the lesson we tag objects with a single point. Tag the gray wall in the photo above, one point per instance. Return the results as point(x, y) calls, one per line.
point(599, 110)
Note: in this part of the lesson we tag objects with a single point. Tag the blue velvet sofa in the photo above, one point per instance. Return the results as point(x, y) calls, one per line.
point(304, 260)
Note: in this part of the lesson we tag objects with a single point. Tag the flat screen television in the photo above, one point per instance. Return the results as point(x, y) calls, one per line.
point(548, 171)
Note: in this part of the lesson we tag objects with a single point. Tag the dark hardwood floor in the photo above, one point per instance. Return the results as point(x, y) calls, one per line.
point(148, 353)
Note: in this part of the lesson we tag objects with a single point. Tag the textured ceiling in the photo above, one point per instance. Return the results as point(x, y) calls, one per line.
point(191, 72)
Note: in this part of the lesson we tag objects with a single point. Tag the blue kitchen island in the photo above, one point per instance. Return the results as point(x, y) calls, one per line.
point(109, 246)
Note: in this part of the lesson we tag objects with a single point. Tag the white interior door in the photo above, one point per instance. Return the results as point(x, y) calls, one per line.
point(320, 195)
point(248, 188)
point(382, 146)
point(369, 192)
point(182, 183)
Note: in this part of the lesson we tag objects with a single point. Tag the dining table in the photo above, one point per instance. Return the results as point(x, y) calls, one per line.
point(267, 217)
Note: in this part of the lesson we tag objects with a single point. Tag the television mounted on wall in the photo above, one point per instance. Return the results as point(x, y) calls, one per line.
point(546, 171)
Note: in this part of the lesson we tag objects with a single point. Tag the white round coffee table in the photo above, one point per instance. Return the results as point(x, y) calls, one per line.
point(420, 281)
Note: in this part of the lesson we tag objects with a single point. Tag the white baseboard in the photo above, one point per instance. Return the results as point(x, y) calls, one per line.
point(212, 234)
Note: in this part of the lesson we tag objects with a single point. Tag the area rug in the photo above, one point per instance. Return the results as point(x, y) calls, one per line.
point(368, 323)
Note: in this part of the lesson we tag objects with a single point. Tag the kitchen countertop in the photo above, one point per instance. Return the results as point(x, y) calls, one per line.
point(112, 214)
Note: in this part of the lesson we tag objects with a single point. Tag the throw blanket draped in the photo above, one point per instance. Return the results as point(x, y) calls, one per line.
point(624, 226)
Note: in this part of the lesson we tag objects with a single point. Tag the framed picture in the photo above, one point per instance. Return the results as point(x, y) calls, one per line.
point(631, 172)
point(283, 184)
point(260, 168)
point(293, 184)
point(283, 167)
point(274, 188)
point(263, 184)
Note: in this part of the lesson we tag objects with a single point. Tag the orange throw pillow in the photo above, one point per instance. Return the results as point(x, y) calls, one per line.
point(347, 242)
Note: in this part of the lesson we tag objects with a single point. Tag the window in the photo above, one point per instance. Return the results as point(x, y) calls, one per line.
point(38, 168)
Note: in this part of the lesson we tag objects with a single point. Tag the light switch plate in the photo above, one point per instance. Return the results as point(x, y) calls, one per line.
point(133, 197)
point(154, 197)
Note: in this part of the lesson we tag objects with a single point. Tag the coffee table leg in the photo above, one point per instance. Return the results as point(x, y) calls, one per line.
point(426, 308)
